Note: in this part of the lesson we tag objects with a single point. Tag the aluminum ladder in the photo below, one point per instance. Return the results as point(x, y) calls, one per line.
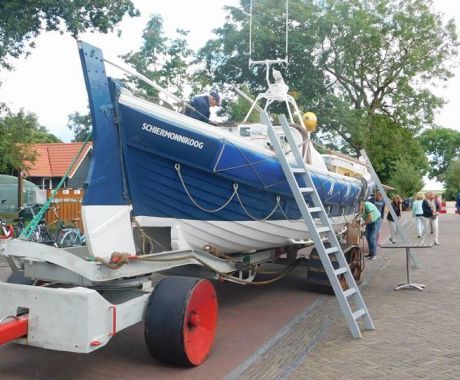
point(350, 298)
point(399, 227)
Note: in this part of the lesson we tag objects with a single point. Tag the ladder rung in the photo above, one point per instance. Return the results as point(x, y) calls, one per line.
point(306, 189)
point(323, 229)
point(331, 250)
point(340, 271)
point(349, 292)
point(314, 209)
point(298, 170)
point(358, 313)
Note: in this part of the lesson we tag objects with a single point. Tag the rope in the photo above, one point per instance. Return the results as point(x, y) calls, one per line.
point(254, 218)
point(31, 227)
point(235, 192)
point(146, 237)
point(235, 187)
point(117, 260)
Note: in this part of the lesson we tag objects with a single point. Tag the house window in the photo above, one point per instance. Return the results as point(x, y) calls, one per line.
point(47, 183)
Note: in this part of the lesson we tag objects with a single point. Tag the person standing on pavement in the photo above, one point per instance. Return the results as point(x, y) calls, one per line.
point(417, 213)
point(457, 203)
point(380, 204)
point(397, 207)
point(372, 218)
point(430, 215)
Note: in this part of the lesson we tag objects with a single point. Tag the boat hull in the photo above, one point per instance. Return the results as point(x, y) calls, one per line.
point(215, 188)
point(236, 236)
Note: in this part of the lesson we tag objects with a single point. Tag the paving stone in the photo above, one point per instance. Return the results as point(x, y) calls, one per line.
point(416, 334)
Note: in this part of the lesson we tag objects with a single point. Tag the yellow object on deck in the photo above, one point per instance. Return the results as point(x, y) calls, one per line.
point(310, 121)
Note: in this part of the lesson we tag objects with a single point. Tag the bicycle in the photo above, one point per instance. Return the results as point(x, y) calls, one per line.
point(68, 236)
point(41, 233)
point(6, 230)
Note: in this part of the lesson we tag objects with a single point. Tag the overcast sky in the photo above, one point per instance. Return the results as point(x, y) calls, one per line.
point(50, 81)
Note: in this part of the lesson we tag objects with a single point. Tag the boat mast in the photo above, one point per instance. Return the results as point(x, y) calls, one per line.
point(277, 91)
point(268, 62)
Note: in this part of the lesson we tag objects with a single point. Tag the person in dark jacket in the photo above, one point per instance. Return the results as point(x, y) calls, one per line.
point(430, 215)
point(202, 105)
point(397, 207)
point(457, 203)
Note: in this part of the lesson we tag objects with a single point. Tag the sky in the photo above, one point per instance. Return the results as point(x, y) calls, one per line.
point(50, 82)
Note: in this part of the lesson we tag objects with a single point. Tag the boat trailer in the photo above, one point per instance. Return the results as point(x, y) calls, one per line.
point(68, 300)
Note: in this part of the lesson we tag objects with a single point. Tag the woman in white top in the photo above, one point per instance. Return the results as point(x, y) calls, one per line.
point(417, 213)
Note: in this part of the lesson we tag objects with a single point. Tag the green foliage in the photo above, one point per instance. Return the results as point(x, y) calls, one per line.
point(225, 59)
point(361, 66)
point(442, 146)
point(161, 59)
point(22, 21)
point(382, 56)
point(17, 132)
point(389, 144)
point(80, 125)
point(237, 108)
point(452, 180)
point(406, 179)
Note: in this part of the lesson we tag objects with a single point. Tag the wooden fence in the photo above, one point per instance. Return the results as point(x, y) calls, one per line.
point(68, 206)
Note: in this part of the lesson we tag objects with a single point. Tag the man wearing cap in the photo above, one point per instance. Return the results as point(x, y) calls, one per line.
point(201, 106)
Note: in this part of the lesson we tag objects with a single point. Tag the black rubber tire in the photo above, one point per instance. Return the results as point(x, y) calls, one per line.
point(164, 319)
point(19, 278)
point(317, 280)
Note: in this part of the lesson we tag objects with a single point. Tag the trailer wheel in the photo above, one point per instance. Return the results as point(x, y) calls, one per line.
point(181, 320)
point(19, 278)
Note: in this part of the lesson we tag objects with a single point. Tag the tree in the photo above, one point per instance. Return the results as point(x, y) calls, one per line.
point(442, 146)
point(17, 132)
point(161, 59)
point(390, 145)
point(80, 125)
point(355, 63)
point(452, 177)
point(383, 57)
point(225, 59)
point(22, 21)
point(406, 179)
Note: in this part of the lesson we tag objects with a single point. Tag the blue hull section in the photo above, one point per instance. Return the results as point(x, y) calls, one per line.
point(210, 166)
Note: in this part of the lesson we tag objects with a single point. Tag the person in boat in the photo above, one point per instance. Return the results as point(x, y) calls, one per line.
point(372, 218)
point(201, 106)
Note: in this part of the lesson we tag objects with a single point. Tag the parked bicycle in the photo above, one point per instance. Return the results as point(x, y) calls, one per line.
point(41, 233)
point(6, 230)
point(68, 236)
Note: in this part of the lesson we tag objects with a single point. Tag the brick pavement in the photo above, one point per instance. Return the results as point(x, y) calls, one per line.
point(416, 334)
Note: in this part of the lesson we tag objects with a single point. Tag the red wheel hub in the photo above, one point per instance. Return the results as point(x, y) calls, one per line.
point(193, 319)
point(200, 322)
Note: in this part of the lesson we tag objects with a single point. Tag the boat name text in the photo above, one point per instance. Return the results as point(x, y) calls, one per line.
point(172, 136)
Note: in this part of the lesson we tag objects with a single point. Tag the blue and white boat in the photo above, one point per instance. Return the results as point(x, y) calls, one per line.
point(189, 184)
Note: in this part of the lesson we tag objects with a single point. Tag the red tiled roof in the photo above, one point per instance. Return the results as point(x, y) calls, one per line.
point(53, 160)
